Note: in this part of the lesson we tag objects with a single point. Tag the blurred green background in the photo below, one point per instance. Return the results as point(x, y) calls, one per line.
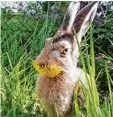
point(23, 32)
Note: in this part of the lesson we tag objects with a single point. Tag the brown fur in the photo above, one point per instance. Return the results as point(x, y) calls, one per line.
point(57, 93)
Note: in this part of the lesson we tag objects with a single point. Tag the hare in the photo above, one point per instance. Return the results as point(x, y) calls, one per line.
point(62, 50)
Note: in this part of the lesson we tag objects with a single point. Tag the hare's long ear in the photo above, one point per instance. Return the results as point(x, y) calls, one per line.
point(83, 19)
point(70, 16)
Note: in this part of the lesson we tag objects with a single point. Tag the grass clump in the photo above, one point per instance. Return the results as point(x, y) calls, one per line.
point(19, 47)
point(92, 106)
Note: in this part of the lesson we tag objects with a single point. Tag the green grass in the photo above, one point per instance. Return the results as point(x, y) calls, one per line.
point(92, 105)
point(18, 77)
point(18, 94)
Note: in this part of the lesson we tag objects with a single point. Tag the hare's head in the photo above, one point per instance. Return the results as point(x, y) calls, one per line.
point(62, 49)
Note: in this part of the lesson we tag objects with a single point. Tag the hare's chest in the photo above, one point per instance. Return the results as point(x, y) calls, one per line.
point(56, 92)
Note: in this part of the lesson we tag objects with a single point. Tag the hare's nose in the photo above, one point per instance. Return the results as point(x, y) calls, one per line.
point(36, 57)
point(42, 62)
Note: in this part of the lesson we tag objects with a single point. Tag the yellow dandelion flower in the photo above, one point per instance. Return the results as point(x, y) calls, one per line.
point(49, 72)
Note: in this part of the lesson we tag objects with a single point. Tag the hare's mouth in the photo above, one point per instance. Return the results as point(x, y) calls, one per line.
point(49, 72)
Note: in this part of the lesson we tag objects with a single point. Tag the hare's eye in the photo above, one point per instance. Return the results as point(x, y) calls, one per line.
point(65, 50)
point(63, 53)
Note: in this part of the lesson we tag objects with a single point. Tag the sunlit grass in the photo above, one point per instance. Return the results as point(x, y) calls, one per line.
point(18, 94)
point(92, 106)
